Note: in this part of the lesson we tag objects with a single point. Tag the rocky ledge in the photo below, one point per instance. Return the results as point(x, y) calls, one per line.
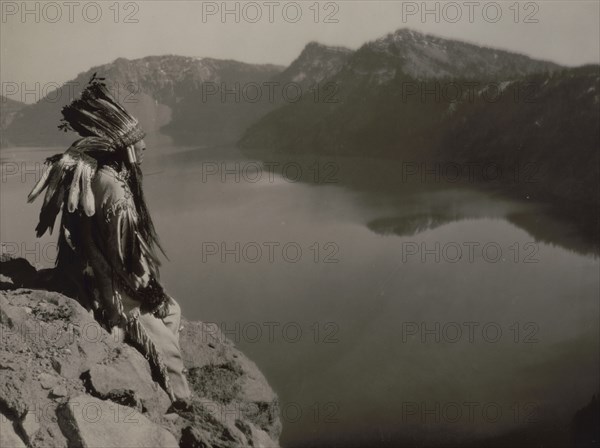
point(66, 382)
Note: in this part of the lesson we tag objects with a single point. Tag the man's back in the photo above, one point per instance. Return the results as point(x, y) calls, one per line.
point(107, 239)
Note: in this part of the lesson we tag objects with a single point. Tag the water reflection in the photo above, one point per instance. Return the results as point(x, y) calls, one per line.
point(372, 384)
point(399, 333)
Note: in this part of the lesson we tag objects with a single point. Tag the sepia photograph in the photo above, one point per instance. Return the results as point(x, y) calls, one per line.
point(300, 224)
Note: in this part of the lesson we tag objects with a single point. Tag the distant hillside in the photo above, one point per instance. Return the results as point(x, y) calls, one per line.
point(315, 64)
point(155, 89)
point(425, 56)
point(414, 97)
point(8, 109)
point(224, 116)
point(554, 138)
point(406, 57)
point(181, 100)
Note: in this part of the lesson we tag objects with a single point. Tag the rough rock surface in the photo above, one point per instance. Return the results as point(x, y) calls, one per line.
point(66, 382)
point(90, 422)
point(8, 436)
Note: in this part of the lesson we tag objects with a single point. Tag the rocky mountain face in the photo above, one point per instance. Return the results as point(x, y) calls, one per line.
point(549, 138)
point(315, 64)
point(411, 97)
point(404, 60)
point(8, 109)
point(172, 96)
point(179, 100)
point(66, 382)
point(222, 112)
point(399, 70)
point(424, 56)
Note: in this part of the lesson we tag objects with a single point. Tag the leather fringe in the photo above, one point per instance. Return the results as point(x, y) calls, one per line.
point(140, 339)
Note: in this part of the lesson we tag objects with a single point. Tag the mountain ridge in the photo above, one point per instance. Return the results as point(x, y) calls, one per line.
point(395, 106)
point(179, 100)
point(151, 88)
point(9, 108)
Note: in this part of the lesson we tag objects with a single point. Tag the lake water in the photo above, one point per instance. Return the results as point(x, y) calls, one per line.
point(430, 314)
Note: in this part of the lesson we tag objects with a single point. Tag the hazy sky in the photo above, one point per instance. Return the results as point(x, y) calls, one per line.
point(57, 40)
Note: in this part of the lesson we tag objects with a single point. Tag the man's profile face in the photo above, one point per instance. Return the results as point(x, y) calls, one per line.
point(139, 148)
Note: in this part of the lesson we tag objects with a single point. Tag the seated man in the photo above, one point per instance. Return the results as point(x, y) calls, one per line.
point(107, 243)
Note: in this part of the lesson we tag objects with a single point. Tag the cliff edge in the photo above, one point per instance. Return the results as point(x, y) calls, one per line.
point(66, 382)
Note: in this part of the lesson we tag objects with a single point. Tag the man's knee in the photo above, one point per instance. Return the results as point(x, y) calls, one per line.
point(173, 319)
point(174, 308)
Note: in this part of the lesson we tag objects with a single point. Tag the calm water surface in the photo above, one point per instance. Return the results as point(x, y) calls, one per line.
point(376, 317)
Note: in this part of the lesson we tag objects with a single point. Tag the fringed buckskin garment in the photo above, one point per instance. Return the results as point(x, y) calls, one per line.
point(106, 246)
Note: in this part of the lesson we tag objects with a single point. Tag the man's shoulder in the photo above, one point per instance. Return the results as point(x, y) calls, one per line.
point(110, 185)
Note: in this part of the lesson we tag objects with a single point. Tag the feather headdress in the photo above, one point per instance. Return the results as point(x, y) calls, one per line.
point(69, 173)
point(98, 114)
point(106, 127)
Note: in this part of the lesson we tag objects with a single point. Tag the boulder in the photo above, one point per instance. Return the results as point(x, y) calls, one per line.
point(129, 375)
point(65, 381)
point(8, 435)
point(89, 422)
point(30, 426)
point(220, 372)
